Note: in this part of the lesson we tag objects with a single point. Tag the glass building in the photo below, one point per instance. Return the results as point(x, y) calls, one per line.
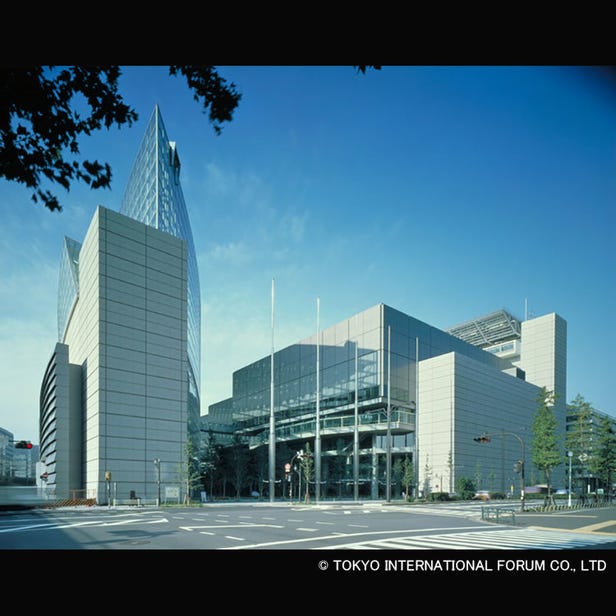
point(121, 388)
point(68, 283)
point(154, 197)
point(382, 388)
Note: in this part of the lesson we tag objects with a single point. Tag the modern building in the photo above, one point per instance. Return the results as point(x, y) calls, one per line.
point(122, 382)
point(154, 197)
point(17, 465)
point(391, 387)
point(6, 456)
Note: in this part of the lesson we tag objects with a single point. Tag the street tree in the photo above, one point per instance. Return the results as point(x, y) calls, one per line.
point(239, 457)
point(45, 110)
point(408, 476)
point(306, 463)
point(546, 452)
point(579, 439)
point(605, 459)
point(427, 482)
point(465, 488)
point(210, 460)
point(190, 471)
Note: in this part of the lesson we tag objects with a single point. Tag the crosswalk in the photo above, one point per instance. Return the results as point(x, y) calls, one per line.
point(506, 539)
point(464, 512)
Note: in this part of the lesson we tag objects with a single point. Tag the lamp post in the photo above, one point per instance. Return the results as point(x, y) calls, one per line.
point(570, 454)
point(485, 438)
point(157, 465)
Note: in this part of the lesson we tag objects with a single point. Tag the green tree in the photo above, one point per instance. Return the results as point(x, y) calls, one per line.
point(478, 475)
point(239, 463)
point(546, 453)
point(408, 476)
point(465, 487)
point(396, 475)
point(306, 463)
point(45, 110)
point(210, 460)
point(190, 472)
point(427, 482)
point(579, 439)
point(605, 459)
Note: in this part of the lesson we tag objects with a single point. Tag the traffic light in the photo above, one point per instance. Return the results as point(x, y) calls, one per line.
point(23, 445)
point(482, 439)
point(518, 466)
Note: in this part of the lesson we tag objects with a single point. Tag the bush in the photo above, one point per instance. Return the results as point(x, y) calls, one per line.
point(497, 495)
point(439, 496)
point(465, 488)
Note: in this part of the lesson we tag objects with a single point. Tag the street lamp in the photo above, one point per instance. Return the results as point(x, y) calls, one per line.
point(157, 465)
point(570, 454)
point(519, 466)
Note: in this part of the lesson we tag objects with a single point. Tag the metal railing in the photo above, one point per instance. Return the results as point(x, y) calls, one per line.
point(338, 424)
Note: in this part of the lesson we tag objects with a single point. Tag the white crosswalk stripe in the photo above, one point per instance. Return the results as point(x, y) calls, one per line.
point(507, 539)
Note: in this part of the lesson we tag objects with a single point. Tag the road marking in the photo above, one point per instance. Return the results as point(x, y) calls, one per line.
point(79, 524)
point(235, 538)
point(243, 525)
point(330, 523)
point(121, 522)
point(359, 525)
point(28, 527)
point(308, 530)
point(522, 539)
point(594, 527)
point(339, 535)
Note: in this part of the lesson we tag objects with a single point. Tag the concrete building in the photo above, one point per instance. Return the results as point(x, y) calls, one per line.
point(122, 382)
point(390, 387)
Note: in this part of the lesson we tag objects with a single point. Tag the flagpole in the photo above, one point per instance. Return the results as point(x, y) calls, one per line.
point(317, 439)
point(388, 444)
point(356, 433)
point(272, 427)
point(416, 417)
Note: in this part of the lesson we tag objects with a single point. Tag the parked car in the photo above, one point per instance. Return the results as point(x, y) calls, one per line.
point(483, 495)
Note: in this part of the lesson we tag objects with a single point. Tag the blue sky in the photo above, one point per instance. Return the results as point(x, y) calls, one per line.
point(445, 192)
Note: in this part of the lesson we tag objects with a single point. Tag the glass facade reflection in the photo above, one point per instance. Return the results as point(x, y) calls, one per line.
point(68, 283)
point(359, 359)
point(154, 197)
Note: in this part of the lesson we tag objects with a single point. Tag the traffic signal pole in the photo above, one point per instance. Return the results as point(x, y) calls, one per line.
point(486, 438)
point(22, 445)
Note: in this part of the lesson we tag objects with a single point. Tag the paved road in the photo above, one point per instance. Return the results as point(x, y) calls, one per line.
point(283, 526)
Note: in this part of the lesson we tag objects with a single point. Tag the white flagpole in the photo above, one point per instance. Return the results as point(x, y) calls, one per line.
point(388, 445)
point(416, 417)
point(272, 428)
point(317, 439)
point(356, 432)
